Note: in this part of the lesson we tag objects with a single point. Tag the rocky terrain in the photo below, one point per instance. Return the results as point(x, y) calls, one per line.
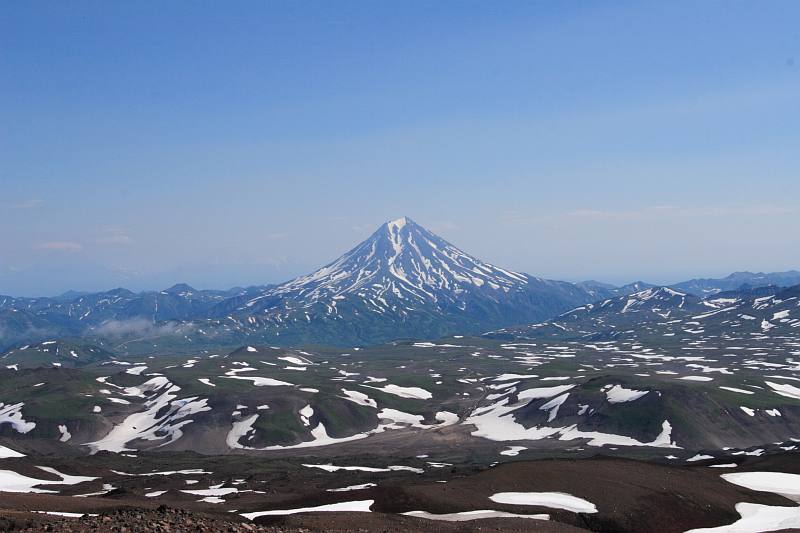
point(416, 435)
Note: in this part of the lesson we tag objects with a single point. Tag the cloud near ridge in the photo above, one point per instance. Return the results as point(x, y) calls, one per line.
point(136, 326)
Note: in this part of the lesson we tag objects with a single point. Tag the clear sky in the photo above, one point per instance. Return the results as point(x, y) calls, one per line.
point(232, 143)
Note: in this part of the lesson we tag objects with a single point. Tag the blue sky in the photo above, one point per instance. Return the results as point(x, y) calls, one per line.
point(234, 143)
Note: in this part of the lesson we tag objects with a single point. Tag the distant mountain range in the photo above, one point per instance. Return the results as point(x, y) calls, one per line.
point(737, 280)
point(665, 312)
point(401, 282)
point(703, 286)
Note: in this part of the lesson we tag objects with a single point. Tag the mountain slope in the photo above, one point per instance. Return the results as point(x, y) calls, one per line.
point(602, 291)
point(666, 312)
point(403, 281)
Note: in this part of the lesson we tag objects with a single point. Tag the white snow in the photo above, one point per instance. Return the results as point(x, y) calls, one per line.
point(513, 451)
point(740, 391)
point(757, 518)
point(186, 472)
point(358, 506)
point(333, 468)
point(160, 420)
point(509, 377)
point(218, 491)
point(396, 420)
point(416, 393)
point(543, 392)
point(360, 398)
point(353, 487)
point(789, 391)
point(294, 360)
point(555, 500)
point(474, 515)
point(12, 414)
point(257, 380)
point(495, 422)
point(107, 487)
point(6, 453)
point(11, 481)
point(619, 394)
point(777, 482)
point(446, 418)
point(305, 415)
point(239, 429)
point(553, 405)
point(663, 440)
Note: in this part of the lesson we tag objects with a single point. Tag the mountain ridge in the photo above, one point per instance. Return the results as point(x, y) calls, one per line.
point(664, 311)
point(402, 281)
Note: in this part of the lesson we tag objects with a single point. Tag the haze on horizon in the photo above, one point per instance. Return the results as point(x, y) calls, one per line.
point(148, 144)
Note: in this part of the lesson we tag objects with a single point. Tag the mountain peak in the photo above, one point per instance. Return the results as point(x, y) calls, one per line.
point(179, 288)
point(402, 281)
point(400, 263)
point(399, 223)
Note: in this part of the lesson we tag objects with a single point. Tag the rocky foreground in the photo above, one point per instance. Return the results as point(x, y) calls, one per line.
point(163, 519)
point(169, 520)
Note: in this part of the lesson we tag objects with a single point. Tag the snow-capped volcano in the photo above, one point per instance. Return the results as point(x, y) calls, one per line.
point(401, 261)
point(404, 281)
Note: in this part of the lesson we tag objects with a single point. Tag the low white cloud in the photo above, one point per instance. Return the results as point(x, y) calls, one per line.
point(30, 333)
point(136, 326)
point(33, 203)
point(703, 211)
point(110, 235)
point(114, 239)
point(651, 212)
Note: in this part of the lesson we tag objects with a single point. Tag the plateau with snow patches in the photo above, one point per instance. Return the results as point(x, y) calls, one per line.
point(422, 431)
point(656, 394)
